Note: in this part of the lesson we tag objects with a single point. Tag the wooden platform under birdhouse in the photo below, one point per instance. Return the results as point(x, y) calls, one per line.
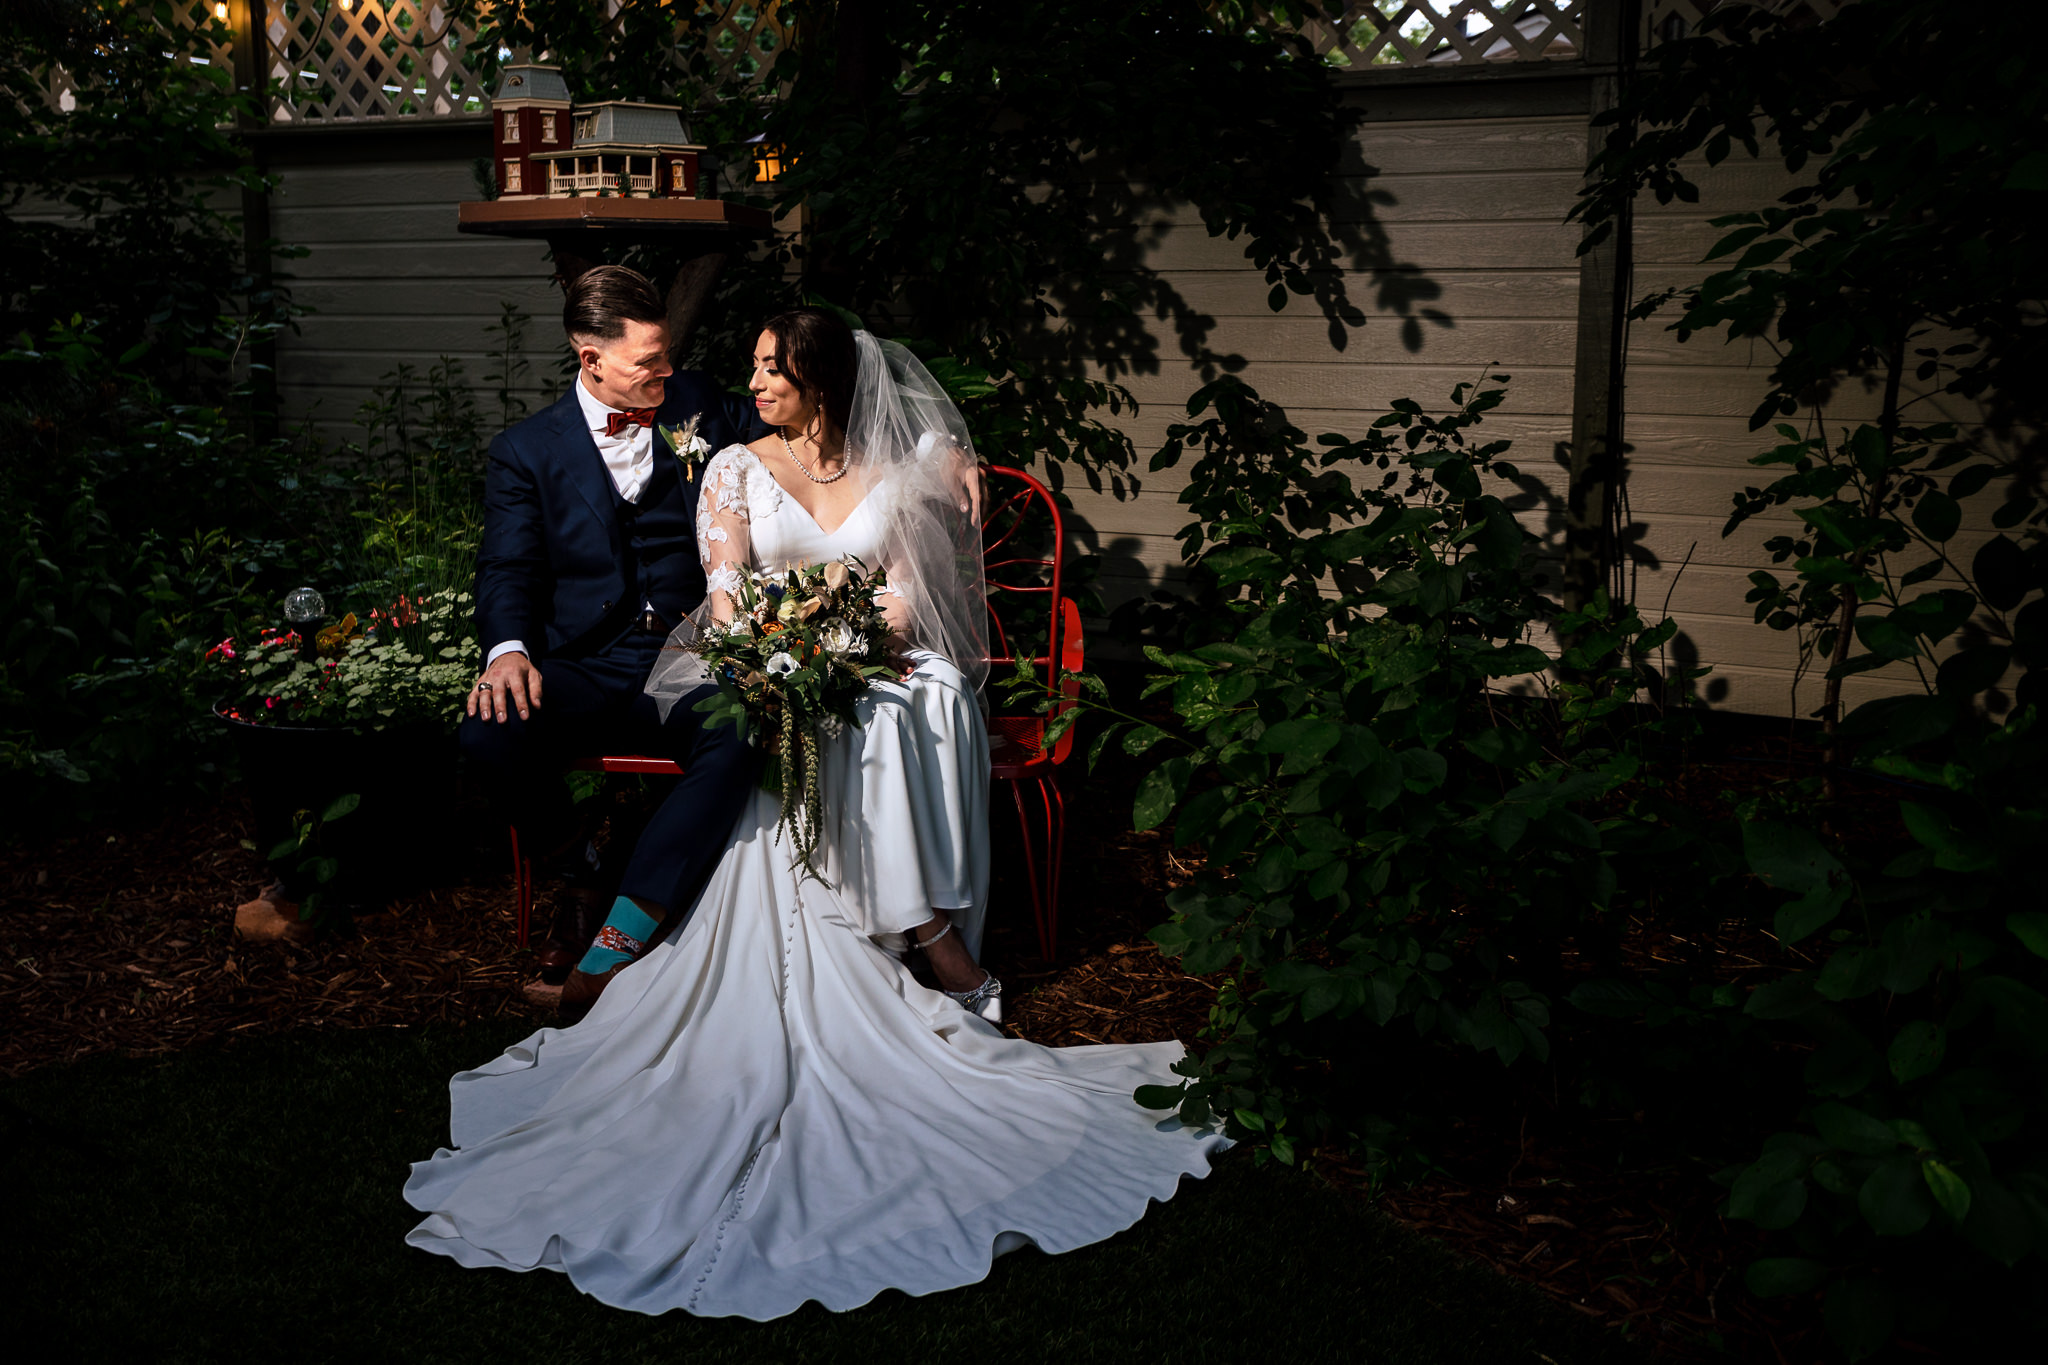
point(539, 217)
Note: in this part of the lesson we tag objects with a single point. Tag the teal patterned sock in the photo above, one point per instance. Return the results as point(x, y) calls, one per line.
point(626, 931)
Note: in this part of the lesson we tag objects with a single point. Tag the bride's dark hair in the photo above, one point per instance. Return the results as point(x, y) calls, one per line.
point(814, 350)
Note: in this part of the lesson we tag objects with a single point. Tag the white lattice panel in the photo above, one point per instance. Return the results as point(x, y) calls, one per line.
point(338, 60)
point(1368, 33)
point(745, 42)
point(365, 59)
point(191, 14)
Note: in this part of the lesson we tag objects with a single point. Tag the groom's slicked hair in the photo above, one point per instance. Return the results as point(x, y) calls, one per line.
point(815, 351)
point(602, 300)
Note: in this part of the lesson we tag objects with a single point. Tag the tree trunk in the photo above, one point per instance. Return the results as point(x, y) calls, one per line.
point(1845, 621)
point(687, 297)
point(864, 65)
point(251, 56)
point(1592, 550)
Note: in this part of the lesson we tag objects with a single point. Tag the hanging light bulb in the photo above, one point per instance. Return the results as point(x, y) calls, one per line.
point(347, 5)
point(220, 10)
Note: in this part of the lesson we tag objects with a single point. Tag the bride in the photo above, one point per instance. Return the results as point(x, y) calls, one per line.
point(768, 1107)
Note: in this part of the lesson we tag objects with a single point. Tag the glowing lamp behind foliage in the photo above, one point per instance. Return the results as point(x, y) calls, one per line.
point(304, 606)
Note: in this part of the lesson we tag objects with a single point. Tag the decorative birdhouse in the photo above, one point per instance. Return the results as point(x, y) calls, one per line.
point(638, 151)
point(530, 117)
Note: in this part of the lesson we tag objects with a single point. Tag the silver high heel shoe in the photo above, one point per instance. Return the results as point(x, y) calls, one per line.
point(985, 1000)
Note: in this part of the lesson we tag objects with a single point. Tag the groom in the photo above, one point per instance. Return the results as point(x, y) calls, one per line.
point(589, 559)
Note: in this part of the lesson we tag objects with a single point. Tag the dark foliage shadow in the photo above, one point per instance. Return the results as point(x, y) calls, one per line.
point(1352, 279)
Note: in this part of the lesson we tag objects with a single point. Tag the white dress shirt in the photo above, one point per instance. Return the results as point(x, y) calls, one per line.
point(628, 458)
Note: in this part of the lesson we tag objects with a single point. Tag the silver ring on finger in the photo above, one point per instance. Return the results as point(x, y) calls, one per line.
point(482, 686)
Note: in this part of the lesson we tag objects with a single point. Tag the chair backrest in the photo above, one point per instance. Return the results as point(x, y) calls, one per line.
point(1024, 553)
point(1023, 546)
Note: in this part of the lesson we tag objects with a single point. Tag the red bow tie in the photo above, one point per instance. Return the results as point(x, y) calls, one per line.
point(633, 417)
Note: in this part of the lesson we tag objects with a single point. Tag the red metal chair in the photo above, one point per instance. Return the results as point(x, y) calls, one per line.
point(1024, 551)
point(1011, 529)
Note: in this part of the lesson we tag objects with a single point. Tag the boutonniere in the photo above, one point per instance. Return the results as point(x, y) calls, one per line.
point(687, 446)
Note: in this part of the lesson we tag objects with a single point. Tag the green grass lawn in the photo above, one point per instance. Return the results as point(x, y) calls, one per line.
point(242, 1203)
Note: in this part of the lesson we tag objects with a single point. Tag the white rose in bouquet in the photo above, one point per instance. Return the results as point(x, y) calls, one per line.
point(841, 639)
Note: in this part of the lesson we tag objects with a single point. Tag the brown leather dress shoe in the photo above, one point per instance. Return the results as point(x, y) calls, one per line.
point(581, 990)
point(579, 914)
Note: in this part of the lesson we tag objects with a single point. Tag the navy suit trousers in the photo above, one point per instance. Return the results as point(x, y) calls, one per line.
point(594, 705)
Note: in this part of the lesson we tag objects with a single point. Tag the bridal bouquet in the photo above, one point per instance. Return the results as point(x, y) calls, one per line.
point(791, 666)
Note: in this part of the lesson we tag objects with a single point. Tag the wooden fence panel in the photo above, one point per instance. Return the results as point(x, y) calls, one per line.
point(388, 280)
point(1473, 208)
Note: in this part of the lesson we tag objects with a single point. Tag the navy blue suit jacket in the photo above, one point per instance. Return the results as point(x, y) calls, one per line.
point(555, 570)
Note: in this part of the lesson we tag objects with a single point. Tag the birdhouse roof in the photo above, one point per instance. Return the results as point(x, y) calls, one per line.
point(538, 84)
point(620, 123)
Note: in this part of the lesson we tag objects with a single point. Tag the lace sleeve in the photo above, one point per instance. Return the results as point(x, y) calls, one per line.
point(894, 602)
point(726, 547)
point(724, 529)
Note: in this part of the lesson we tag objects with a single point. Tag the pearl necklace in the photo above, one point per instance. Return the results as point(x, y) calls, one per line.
point(790, 450)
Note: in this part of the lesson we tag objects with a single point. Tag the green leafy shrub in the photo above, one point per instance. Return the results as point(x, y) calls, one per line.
point(138, 531)
point(122, 204)
point(141, 509)
point(1385, 841)
point(306, 859)
point(1916, 1170)
point(403, 507)
point(1903, 261)
point(1387, 838)
point(143, 532)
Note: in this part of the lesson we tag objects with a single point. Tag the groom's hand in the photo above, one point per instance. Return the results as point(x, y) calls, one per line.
point(510, 684)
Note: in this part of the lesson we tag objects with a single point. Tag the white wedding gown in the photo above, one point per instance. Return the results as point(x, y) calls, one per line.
point(768, 1108)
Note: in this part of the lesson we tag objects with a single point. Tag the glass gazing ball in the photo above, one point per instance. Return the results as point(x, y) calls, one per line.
point(303, 606)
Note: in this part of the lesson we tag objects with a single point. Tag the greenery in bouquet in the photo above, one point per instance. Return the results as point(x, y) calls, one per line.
point(406, 664)
point(791, 667)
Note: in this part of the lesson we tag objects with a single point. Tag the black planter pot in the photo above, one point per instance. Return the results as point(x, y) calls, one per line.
point(406, 779)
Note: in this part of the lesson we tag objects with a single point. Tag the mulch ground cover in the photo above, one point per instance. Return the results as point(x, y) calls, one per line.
point(120, 939)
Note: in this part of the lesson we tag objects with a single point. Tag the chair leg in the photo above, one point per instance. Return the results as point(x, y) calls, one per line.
point(522, 890)
point(1030, 859)
point(1043, 857)
point(1055, 859)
